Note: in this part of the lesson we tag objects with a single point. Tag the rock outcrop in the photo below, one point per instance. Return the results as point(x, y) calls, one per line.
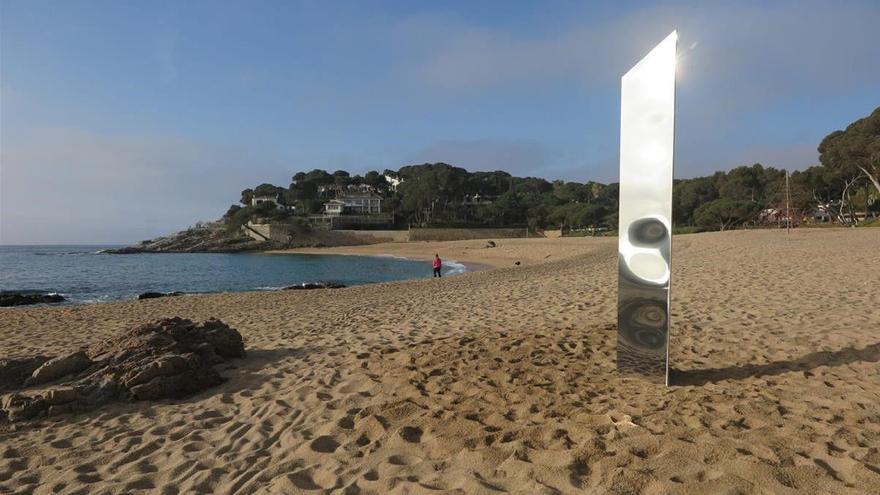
point(315, 285)
point(19, 299)
point(57, 368)
point(203, 240)
point(217, 238)
point(154, 295)
point(169, 358)
point(14, 372)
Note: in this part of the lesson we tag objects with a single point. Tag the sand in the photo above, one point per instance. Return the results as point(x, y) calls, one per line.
point(499, 381)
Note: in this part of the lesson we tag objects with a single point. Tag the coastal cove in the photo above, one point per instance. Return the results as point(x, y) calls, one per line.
point(83, 274)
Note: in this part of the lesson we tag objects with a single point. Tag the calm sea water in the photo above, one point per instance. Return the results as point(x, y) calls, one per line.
point(82, 274)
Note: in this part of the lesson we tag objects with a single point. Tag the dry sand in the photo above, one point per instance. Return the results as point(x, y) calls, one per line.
point(499, 381)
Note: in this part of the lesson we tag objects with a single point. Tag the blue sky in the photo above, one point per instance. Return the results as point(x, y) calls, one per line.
point(121, 121)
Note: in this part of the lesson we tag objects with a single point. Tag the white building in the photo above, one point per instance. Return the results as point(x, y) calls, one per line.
point(334, 208)
point(256, 200)
point(393, 181)
point(354, 204)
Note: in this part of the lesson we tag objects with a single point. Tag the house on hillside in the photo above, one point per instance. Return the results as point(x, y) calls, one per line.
point(354, 203)
point(334, 208)
point(276, 200)
point(393, 182)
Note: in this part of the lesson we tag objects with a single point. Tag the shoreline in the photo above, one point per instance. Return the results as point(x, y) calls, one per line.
point(470, 266)
point(73, 299)
point(508, 252)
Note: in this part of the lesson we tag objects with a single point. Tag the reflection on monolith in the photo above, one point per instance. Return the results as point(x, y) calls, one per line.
point(644, 249)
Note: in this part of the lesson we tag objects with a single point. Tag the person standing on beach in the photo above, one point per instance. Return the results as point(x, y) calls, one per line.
point(438, 264)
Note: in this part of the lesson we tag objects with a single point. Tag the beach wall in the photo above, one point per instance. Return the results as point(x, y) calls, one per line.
point(273, 231)
point(464, 234)
point(257, 231)
point(380, 235)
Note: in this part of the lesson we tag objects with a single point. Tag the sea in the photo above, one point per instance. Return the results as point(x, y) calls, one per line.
point(85, 274)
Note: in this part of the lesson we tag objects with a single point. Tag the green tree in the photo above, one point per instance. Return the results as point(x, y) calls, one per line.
point(725, 213)
point(246, 197)
point(688, 195)
point(267, 190)
point(341, 178)
point(856, 150)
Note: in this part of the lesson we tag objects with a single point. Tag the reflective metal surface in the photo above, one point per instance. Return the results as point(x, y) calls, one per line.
point(647, 119)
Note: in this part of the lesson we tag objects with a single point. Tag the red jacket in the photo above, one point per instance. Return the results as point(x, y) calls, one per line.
point(437, 263)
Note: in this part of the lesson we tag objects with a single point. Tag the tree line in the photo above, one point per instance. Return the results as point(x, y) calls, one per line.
point(846, 182)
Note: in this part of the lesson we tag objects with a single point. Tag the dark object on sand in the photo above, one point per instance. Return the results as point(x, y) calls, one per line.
point(317, 285)
point(169, 358)
point(19, 299)
point(490, 244)
point(516, 263)
point(154, 295)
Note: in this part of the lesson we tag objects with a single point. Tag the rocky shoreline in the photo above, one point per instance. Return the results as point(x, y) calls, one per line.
point(23, 299)
point(204, 240)
point(219, 240)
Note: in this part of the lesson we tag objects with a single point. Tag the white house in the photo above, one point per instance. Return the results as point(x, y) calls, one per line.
point(354, 204)
point(393, 181)
point(334, 208)
point(270, 199)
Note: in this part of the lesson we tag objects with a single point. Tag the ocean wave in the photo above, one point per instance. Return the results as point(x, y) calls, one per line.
point(69, 253)
point(392, 256)
point(455, 268)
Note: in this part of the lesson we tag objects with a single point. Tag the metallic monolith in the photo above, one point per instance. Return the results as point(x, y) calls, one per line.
point(647, 130)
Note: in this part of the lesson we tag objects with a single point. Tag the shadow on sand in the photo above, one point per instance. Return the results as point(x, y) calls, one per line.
point(247, 373)
point(870, 354)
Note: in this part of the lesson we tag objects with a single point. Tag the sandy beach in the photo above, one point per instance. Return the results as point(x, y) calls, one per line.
point(497, 381)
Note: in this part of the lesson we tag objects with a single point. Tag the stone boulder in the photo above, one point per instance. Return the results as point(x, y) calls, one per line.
point(169, 358)
point(14, 372)
point(18, 299)
point(60, 367)
point(154, 295)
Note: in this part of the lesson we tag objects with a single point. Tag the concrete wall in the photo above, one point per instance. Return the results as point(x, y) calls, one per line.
point(257, 231)
point(381, 235)
point(274, 231)
point(464, 234)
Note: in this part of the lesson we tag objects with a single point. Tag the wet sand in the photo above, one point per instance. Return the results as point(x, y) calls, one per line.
point(501, 380)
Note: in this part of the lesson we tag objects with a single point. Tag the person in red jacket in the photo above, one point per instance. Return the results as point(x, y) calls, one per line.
point(437, 265)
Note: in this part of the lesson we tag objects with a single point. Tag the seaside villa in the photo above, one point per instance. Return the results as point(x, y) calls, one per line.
point(354, 204)
point(276, 200)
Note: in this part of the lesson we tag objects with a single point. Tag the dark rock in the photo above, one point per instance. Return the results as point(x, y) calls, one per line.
point(169, 358)
point(18, 299)
point(59, 367)
point(14, 372)
point(19, 407)
point(316, 285)
point(517, 263)
point(154, 295)
point(490, 244)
